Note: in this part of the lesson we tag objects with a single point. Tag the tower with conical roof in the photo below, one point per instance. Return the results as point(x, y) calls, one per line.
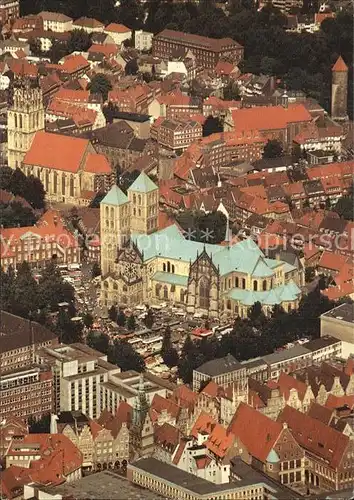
point(143, 195)
point(339, 104)
point(25, 117)
point(115, 226)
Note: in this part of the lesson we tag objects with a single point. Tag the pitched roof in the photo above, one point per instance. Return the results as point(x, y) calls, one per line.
point(160, 404)
point(256, 431)
point(219, 441)
point(321, 413)
point(340, 65)
point(219, 366)
point(58, 152)
point(97, 164)
point(287, 382)
point(334, 402)
point(115, 197)
point(167, 435)
point(203, 425)
point(117, 28)
point(315, 436)
point(143, 184)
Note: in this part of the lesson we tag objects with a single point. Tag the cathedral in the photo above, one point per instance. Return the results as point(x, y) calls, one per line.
point(143, 265)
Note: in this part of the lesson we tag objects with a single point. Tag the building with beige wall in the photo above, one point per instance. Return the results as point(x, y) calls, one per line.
point(339, 322)
point(141, 264)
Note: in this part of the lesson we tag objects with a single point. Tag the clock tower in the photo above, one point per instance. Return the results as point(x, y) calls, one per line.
point(115, 226)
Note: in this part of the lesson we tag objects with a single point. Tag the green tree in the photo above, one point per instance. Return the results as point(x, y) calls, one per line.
point(57, 51)
point(149, 319)
point(310, 274)
point(113, 313)
point(345, 206)
point(273, 149)
point(35, 46)
point(69, 332)
point(110, 111)
point(52, 289)
point(125, 356)
point(79, 41)
point(121, 318)
point(168, 352)
point(131, 68)
point(87, 320)
point(35, 192)
point(131, 14)
point(39, 425)
point(131, 323)
point(98, 341)
point(212, 125)
point(24, 300)
point(16, 215)
point(100, 84)
point(231, 92)
point(96, 270)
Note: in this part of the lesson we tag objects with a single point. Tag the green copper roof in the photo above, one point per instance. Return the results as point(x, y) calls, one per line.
point(279, 294)
point(273, 457)
point(244, 257)
point(115, 197)
point(172, 279)
point(143, 184)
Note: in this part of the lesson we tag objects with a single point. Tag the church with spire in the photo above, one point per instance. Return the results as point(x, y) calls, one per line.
point(144, 265)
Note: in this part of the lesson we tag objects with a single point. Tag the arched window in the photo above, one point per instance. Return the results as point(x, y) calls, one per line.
point(165, 292)
point(264, 285)
point(46, 180)
point(139, 212)
point(20, 119)
point(243, 283)
point(115, 286)
point(164, 267)
point(204, 294)
point(157, 290)
point(168, 267)
point(107, 212)
point(55, 183)
point(236, 282)
point(125, 288)
point(15, 117)
point(173, 268)
point(72, 186)
point(63, 178)
point(255, 285)
point(139, 199)
point(134, 198)
point(228, 304)
point(182, 294)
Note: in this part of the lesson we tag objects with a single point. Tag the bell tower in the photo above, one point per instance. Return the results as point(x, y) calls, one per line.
point(115, 226)
point(25, 117)
point(339, 104)
point(143, 195)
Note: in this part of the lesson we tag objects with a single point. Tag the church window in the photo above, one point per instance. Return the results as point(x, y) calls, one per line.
point(182, 295)
point(139, 199)
point(255, 285)
point(139, 212)
point(236, 282)
point(72, 186)
point(168, 267)
point(134, 198)
point(20, 120)
point(63, 178)
point(106, 212)
point(229, 283)
point(164, 267)
point(47, 180)
point(15, 117)
point(115, 286)
point(173, 268)
point(228, 304)
point(165, 292)
point(55, 183)
point(157, 290)
point(105, 284)
point(125, 288)
point(134, 211)
point(243, 283)
point(264, 285)
point(204, 294)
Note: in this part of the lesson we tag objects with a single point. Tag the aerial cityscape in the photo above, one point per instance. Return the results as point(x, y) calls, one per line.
point(177, 250)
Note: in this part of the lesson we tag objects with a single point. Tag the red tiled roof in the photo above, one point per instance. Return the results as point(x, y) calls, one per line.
point(213, 390)
point(340, 65)
point(202, 461)
point(315, 436)
point(117, 28)
point(159, 404)
point(270, 117)
point(87, 22)
point(287, 382)
point(219, 441)
point(109, 49)
point(97, 164)
point(337, 292)
point(334, 402)
point(72, 63)
point(321, 16)
point(321, 413)
point(58, 152)
point(72, 95)
point(167, 435)
point(331, 261)
point(256, 431)
point(203, 425)
point(184, 396)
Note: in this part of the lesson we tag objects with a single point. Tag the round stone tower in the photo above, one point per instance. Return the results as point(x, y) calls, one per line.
point(339, 108)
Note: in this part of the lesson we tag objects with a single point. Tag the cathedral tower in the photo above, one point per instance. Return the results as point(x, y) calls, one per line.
point(115, 226)
point(339, 108)
point(143, 195)
point(25, 117)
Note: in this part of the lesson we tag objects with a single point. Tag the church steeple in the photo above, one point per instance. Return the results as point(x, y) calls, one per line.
point(141, 405)
point(25, 117)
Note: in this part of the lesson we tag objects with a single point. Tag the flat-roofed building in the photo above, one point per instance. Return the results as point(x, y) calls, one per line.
point(222, 371)
point(78, 372)
point(339, 323)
